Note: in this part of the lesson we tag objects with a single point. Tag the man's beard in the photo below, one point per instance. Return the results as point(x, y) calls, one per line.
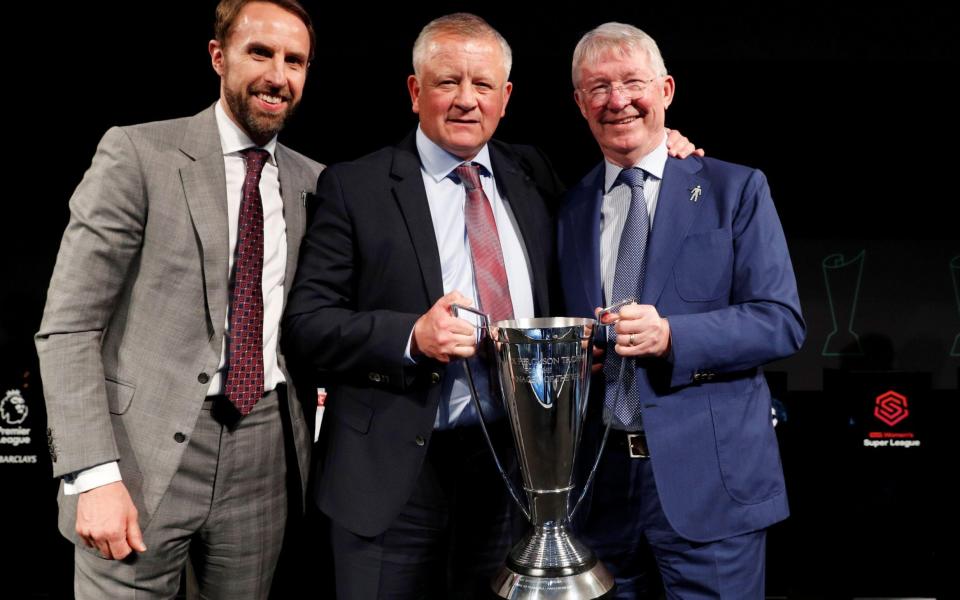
point(261, 127)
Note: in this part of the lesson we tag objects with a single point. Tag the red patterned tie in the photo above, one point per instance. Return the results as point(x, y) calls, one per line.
point(488, 270)
point(245, 365)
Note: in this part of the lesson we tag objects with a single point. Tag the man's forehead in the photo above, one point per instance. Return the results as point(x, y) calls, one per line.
point(263, 22)
point(618, 60)
point(446, 47)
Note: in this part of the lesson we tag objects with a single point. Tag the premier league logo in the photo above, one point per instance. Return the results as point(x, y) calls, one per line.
point(13, 408)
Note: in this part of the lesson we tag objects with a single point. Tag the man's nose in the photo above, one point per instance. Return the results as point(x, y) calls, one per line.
point(276, 74)
point(619, 98)
point(466, 96)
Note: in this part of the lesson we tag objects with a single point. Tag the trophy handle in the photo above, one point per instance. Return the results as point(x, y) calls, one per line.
point(606, 431)
point(614, 307)
point(485, 319)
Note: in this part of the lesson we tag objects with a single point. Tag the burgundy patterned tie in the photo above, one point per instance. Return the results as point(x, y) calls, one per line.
point(488, 269)
point(245, 364)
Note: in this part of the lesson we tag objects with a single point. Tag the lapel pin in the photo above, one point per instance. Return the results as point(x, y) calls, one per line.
point(695, 193)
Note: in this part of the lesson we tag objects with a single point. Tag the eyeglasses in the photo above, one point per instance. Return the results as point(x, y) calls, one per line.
point(599, 93)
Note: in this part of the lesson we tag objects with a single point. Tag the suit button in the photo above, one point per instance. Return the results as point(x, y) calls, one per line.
point(203, 378)
point(179, 438)
point(434, 377)
point(419, 440)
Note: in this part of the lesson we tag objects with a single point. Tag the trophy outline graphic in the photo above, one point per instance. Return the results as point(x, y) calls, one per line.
point(834, 267)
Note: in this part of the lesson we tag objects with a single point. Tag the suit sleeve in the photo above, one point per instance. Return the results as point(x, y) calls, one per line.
point(325, 327)
point(763, 321)
point(102, 239)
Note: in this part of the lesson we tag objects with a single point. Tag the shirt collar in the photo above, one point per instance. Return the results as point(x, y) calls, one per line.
point(652, 163)
point(233, 139)
point(438, 163)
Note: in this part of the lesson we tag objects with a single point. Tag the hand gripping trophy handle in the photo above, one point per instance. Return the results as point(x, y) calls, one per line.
point(485, 325)
point(606, 430)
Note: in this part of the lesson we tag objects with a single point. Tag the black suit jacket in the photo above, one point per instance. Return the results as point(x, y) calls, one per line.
point(369, 267)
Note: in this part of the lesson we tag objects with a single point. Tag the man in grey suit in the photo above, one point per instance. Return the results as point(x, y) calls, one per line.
point(167, 396)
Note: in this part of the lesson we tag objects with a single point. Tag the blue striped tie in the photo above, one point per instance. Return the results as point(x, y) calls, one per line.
point(624, 404)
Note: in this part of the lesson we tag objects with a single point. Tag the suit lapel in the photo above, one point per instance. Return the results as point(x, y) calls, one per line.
point(584, 227)
point(523, 198)
point(412, 198)
point(676, 210)
point(292, 191)
point(204, 186)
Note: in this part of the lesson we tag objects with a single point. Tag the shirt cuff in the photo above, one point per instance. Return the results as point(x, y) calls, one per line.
point(408, 358)
point(94, 477)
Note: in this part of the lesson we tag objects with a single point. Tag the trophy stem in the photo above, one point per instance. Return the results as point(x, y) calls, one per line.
point(548, 506)
point(550, 551)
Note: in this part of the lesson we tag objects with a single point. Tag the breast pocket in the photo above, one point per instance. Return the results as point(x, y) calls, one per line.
point(704, 266)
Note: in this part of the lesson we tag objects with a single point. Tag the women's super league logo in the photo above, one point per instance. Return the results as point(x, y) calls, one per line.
point(891, 407)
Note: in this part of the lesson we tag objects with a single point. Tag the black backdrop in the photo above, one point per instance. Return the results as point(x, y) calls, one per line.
point(849, 112)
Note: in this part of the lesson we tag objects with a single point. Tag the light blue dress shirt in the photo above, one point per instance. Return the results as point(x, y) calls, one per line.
point(446, 197)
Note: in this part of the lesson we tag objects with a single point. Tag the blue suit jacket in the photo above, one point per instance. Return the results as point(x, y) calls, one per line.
point(718, 269)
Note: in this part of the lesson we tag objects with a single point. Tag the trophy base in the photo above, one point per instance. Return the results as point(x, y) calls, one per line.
point(591, 583)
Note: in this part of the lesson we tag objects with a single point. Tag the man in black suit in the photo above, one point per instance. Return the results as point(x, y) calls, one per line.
point(447, 216)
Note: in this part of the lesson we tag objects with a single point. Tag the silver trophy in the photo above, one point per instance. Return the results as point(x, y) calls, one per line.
point(543, 368)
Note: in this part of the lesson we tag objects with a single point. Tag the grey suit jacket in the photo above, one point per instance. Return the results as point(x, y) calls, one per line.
point(135, 313)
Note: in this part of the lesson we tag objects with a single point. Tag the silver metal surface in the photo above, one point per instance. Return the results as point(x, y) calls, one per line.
point(544, 374)
point(544, 368)
point(593, 583)
point(550, 547)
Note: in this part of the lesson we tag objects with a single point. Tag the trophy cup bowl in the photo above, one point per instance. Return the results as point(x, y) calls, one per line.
point(543, 367)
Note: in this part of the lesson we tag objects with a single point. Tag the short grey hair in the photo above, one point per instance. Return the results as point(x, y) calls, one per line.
point(623, 39)
point(463, 25)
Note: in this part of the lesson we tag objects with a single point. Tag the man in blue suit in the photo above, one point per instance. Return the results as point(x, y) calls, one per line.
point(692, 468)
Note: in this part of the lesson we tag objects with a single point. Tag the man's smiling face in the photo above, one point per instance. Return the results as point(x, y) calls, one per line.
point(627, 125)
point(461, 93)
